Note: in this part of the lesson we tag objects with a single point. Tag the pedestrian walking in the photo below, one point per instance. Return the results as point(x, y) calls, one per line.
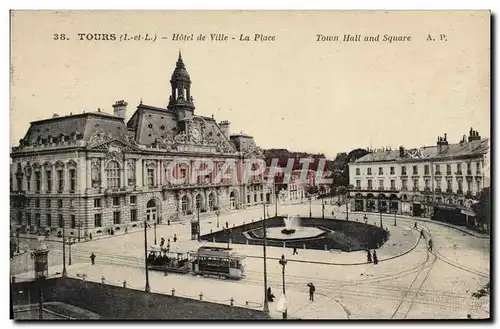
point(227, 225)
point(92, 259)
point(368, 256)
point(415, 225)
point(430, 245)
point(312, 289)
point(333, 214)
point(175, 238)
point(162, 242)
point(422, 235)
point(375, 258)
point(295, 251)
point(90, 236)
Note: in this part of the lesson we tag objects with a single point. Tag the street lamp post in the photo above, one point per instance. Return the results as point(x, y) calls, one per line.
point(154, 225)
point(69, 249)
point(266, 306)
point(323, 208)
point(40, 254)
point(64, 272)
point(18, 242)
point(218, 214)
point(310, 210)
point(395, 224)
point(283, 264)
point(199, 226)
point(381, 225)
point(148, 289)
point(276, 192)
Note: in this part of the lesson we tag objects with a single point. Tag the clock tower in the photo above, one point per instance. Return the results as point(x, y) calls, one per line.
point(181, 100)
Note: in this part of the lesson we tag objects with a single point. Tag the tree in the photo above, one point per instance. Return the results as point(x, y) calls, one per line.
point(483, 208)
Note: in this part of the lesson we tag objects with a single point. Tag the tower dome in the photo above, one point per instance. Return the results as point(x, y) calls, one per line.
point(180, 72)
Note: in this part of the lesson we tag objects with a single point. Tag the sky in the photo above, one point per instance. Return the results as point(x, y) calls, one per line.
point(294, 92)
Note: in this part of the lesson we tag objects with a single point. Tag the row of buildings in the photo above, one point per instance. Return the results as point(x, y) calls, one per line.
point(416, 181)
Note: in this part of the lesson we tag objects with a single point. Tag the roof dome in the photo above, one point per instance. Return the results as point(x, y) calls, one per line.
point(180, 72)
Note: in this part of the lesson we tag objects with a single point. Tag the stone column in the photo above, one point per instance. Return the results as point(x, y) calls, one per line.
point(144, 174)
point(43, 184)
point(122, 175)
point(158, 173)
point(104, 182)
point(89, 174)
point(138, 173)
point(125, 173)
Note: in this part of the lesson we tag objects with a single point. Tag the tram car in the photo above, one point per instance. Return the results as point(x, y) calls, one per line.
point(220, 262)
point(168, 260)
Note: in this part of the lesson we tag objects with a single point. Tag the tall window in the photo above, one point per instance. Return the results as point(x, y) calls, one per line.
point(28, 218)
point(48, 175)
point(369, 171)
point(133, 215)
point(151, 177)
point(415, 184)
point(370, 184)
point(393, 184)
point(469, 186)
point(72, 180)
point(448, 184)
point(73, 221)
point(426, 170)
point(49, 220)
point(438, 184)
point(392, 170)
point(403, 170)
point(116, 201)
point(116, 217)
point(380, 170)
point(459, 167)
point(97, 203)
point(358, 171)
point(358, 183)
point(37, 220)
point(460, 185)
point(133, 199)
point(448, 169)
point(427, 184)
point(28, 179)
point(60, 203)
point(60, 180)
point(415, 170)
point(37, 203)
point(97, 220)
point(478, 168)
point(469, 170)
point(113, 174)
point(49, 203)
point(38, 182)
point(381, 184)
point(61, 221)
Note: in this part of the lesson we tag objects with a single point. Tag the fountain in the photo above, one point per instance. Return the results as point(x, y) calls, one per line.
point(290, 225)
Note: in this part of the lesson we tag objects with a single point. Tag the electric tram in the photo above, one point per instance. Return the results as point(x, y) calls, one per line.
point(169, 259)
point(221, 262)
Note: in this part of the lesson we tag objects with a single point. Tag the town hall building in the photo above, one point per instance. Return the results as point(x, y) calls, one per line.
point(94, 171)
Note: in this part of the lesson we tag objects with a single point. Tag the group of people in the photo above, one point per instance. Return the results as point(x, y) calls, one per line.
point(270, 296)
point(371, 259)
point(159, 259)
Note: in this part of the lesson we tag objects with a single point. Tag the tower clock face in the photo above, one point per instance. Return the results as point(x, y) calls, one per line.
point(196, 134)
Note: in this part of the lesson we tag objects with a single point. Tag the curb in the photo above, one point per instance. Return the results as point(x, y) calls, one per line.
point(341, 264)
point(458, 228)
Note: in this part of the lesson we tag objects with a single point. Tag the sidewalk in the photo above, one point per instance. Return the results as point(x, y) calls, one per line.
point(459, 228)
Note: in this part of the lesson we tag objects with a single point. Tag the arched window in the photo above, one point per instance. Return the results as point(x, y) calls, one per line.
point(113, 174)
point(184, 205)
point(211, 201)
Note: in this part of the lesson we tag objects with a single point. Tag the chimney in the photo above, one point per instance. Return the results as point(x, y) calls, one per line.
point(473, 135)
point(224, 127)
point(120, 109)
point(401, 151)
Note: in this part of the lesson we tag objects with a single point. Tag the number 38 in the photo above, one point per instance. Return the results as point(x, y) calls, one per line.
point(60, 36)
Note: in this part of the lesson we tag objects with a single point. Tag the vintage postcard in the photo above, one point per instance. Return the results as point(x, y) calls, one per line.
point(250, 165)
